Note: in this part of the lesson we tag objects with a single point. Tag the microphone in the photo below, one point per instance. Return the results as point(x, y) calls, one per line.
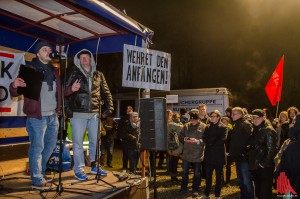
point(54, 56)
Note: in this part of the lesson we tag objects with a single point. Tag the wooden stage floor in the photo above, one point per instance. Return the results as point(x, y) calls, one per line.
point(19, 186)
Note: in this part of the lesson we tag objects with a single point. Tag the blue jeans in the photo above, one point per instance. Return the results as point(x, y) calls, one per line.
point(78, 129)
point(185, 175)
point(43, 136)
point(245, 181)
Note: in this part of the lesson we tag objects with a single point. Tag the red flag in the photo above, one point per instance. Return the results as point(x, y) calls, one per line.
point(274, 86)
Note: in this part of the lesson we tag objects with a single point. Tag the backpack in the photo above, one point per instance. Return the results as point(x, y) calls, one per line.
point(173, 140)
point(174, 145)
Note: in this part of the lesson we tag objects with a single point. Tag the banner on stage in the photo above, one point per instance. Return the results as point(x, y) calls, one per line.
point(9, 69)
point(144, 68)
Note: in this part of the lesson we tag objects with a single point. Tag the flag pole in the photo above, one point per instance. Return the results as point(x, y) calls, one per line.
point(277, 108)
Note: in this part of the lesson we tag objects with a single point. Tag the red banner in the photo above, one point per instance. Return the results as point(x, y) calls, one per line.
point(274, 85)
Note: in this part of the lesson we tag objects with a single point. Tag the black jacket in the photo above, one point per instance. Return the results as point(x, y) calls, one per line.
point(129, 136)
point(262, 146)
point(214, 137)
point(239, 140)
point(289, 164)
point(83, 100)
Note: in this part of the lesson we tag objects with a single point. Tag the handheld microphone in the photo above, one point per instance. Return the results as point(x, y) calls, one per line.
point(54, 56)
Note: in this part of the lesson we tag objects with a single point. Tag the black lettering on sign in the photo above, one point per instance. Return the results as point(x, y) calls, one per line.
point(4, 69)
point(4, 93)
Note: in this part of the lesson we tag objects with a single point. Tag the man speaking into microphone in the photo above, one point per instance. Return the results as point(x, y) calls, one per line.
point(42, 121)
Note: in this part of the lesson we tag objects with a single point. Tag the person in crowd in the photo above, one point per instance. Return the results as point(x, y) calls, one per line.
point(130, 137)
point(42, 121)
point(290, 161)
point(240, 136)
point(174, 148)
point(292, 112)
point(269, 117)
point(85, 89)
point(247, 116)
point(214, 137)
point(124, 120)
point(228, 113)
point(229, 162)
point(282, 128)
point(184, 118)
point(107, 141)
point(261, 151)
point(286, 143)
point(204, 118)
point(193, 151)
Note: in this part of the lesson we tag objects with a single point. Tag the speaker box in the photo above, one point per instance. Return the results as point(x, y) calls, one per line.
point(153, 124)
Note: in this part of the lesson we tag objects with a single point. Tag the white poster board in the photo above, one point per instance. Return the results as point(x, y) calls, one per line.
point(144, 68)
point(9, 69)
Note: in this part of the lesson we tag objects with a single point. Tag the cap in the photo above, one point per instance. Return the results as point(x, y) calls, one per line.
point(258, 112)
point(134, 114)
point(84, 52)
point(194, 114)
point(40, 45)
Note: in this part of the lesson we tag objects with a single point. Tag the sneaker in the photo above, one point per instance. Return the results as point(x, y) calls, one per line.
point(81, 176)
point(101, 172)
point(43, 187)
point(48, 179)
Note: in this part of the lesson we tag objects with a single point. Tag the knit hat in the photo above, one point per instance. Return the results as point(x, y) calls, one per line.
point(258, 112)
point(134, 114)
point(194, 114)
point(40, 45)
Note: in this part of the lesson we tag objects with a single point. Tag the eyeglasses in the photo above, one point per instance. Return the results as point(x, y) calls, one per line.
point(213, 116)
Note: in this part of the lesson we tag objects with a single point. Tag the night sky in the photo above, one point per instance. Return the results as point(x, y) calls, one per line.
point(216, 43)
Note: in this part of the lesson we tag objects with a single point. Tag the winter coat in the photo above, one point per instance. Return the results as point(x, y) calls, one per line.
point(289, 164)
point(214, 137)
point(239, 140)
point(192, 152)
point(174, 127)
point(33, 108)
point(87, 98)
point(262, 146)
point(129, 136)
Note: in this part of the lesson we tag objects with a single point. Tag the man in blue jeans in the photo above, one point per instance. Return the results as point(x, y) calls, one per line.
point(42, 122)
point(240, 137)
point(85, 87)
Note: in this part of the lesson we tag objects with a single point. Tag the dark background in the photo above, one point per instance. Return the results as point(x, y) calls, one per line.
point(217, 43)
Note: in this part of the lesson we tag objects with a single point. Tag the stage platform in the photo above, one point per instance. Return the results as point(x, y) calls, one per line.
point(19, 186)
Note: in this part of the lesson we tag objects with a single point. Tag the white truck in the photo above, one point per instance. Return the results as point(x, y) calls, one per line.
point(214, 98)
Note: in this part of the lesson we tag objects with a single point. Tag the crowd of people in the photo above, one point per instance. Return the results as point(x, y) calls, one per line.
point(262, 148)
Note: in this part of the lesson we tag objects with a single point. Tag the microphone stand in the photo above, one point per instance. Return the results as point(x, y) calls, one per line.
point(98, 176)
point(60, 189)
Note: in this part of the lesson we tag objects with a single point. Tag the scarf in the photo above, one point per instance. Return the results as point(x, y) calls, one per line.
point(47, 70)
